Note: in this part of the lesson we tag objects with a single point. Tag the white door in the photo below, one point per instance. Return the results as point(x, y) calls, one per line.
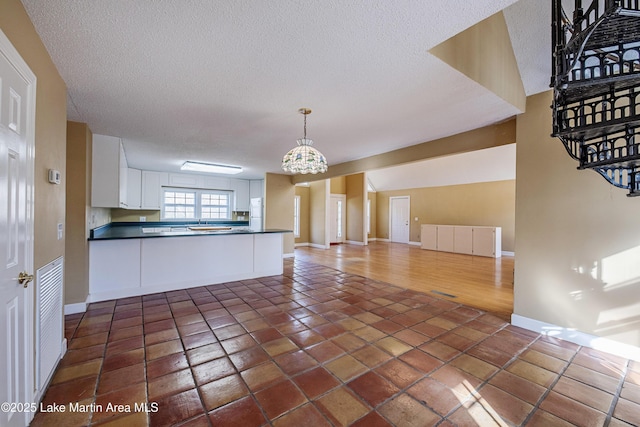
point(399, 219)
point(17, 86)
point(337, 219)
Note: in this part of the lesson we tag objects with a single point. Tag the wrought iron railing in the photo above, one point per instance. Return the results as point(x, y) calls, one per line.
point(596, 81)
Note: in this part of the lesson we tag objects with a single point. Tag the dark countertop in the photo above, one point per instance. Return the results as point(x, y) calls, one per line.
point(143, 230)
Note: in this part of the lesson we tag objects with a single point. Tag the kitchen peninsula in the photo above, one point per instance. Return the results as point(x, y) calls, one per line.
point(130, 259)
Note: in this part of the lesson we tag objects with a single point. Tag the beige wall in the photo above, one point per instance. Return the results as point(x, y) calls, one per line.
point(484, 53)
point(477, 139)
point(487, 203)
point(338, 185)
point(355, 190)
point(78, 201)
point(373, 197)
point(278, 207)
point(129, 215)
point(303, 192)
point(578, 248)
point(318, 201)
point(51, 129)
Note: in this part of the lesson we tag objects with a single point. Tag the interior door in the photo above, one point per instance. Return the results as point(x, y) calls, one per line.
point(16, 252)
point(399, 219)
point(337, 219)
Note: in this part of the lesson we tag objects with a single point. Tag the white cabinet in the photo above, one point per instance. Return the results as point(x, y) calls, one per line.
point(429, 237)
point(487, 241)
point(134, 187)
point(198, 181)
point(471, 240)
point(463, 240)
point(445, 238)
point(109, 173)
point(122, 268)
point(240, 189)
point(152, 183)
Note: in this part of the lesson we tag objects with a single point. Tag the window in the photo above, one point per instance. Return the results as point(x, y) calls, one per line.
point(187, 203)
point(179, 205)
point(214, 206)
point(296, 216)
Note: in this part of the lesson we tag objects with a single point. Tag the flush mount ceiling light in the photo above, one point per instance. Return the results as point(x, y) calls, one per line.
point(304, 158)
point(210, 168)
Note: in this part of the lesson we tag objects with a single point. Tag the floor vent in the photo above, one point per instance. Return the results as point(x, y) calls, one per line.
point(443, 294)
point(49, 309)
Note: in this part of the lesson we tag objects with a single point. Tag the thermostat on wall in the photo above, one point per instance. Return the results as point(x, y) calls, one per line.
point(54, 176)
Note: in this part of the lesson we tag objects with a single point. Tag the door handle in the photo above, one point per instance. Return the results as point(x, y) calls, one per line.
point(24, 278)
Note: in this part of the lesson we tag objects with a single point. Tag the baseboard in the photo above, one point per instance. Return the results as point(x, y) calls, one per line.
point(354, 242)
point(599, 343)
point(289, 255)
point(79, 307)
point(372, 239)
point(415, 243)
point(301, 244)
point(383, 240)
point(318, 246)
point(508, 253)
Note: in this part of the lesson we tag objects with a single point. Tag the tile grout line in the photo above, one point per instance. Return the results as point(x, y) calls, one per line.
point(536, 407)
point(616, 396)
point(306, 290)
point(472, 394)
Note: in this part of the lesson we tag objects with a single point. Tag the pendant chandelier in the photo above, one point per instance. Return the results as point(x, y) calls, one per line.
point(304, 158)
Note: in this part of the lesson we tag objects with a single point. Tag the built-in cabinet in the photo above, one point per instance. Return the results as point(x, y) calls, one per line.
point(115, 185)
point(163, 264)
point(241, 189)
point(151, 189)
point(472, 240)
point(109, 173)
point(134, 187)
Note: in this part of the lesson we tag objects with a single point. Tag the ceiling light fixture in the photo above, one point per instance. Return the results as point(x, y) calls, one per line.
point(304, 158)
point(210, 168)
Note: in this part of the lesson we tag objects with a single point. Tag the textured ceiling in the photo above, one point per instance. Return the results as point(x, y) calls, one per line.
point(222, 81)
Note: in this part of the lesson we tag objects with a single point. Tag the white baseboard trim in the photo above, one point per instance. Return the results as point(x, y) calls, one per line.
point(508, 253)
point(289, 255)
point(79, 307)
point(354, 242)
point(599, 343)
point(416, 243)
point(297, 245)
point(383, 240)
point(372, 239)
point(318, 246)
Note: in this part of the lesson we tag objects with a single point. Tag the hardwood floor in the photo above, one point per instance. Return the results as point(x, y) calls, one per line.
point(480, 282)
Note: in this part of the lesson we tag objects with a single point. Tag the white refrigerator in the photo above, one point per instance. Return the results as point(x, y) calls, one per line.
point(255, 214)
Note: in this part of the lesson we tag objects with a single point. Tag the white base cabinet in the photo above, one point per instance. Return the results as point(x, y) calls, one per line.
point(122, 268)
point(463, 239)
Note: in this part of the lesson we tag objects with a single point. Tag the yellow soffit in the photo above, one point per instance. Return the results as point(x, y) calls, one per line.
point(484, 53)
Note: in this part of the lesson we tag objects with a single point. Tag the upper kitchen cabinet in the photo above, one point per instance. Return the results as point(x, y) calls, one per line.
point(109, 173)
point(240, 188)
point(152, 183)
point(134, 187)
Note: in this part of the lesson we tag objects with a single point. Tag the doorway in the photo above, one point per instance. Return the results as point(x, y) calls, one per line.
point(337, 218)
point(17, 131)
point(399, 219)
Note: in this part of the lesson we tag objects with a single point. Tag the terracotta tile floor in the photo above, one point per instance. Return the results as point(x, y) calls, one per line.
point(318, 347)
